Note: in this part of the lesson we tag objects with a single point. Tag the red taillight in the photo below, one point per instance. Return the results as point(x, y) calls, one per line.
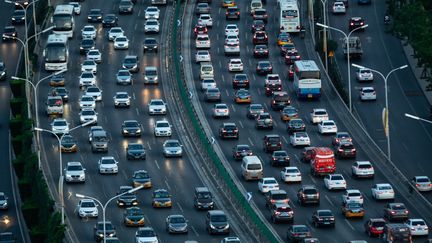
point(392, 212)
point(340, 150)
point(352, 24)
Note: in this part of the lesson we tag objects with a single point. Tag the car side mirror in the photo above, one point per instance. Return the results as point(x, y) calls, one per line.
point(84, 169)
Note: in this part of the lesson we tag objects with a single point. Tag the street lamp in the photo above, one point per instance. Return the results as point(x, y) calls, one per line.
point(348, 54)
point(386, 115)
point(106, 204)
point(417, 118)
point(324, 3)
point(59, 139)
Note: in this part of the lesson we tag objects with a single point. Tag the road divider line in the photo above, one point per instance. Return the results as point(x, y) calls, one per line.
point(124, 174)
point(250, 141)
point(259, 91)
point(233, 108)
point(180, 207)
point(223, 78)
point(312, 179)
point(328, 199)
point(241, 124)
point(137, 111)
point(168, 186)
point(148, 145)
point(194, 230)
point(157, 165)
point(297, 158)
point(350, 225)
point(275, 124)
point(220, 65)
point(117, 154)
point(226, 91)
point(285, 140)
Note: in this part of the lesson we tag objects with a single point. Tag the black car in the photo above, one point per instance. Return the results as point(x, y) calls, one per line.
point(355, 22)
point(308, 194)
point(203, 198)
point(3, 73)
point(241, 80)
point(323, 217)
point(9, 33)
point(296, 125)
point(345, 150)
point(285, 48)
point(60, 91)
point(229, 130)
point(109, 20)
point(18, 17)
point(272, 143)
point(95, 15)
point(298, 232)
point(125, 7)
point(261, 51)
point(264, 67)
point(135, 151)
point(150, 44)
point(280, 158)
point(281, 212)
point(110, 230)
point(280, 100)
point(258, 25)
point(86, 45)
point(232, 13)
point(270, 88)
point(68, 144)
point(131, 63)
point(131, 128)
point(260, 37)
point(241, 150)
point(127, 199)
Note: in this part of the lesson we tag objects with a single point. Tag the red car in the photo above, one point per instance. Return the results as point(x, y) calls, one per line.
point(374, 226)
point(200, 30)
point(291, 56)
point(260, 37)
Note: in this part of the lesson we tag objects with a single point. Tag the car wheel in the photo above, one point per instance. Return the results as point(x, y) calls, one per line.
point(369, 233)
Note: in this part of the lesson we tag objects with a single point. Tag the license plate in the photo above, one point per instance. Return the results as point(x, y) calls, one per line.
point(309, 96)
point(284, 214)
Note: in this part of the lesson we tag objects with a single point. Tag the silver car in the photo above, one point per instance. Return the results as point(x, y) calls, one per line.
point(152, 26)
point(367, 93)
point(87, 208)
point(212, 94)
point(152, 12)
point(87, 115)
point(176, 224)
point(221, 111)
point(364, 75)
point(87, 101)
point(60, 126)
point(74, 172)
point(172, 148)
point(157, 107)
point(115, 32)
point(95, 92)
point(3, 201)
point(108, 165)
point(124, 77)
point(121, 99)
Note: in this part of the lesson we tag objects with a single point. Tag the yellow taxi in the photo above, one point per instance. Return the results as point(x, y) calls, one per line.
point(134, 216)
point(243, 96)
point(284, 38)
point(228, 3)
point(353, 210)
point(161, 199)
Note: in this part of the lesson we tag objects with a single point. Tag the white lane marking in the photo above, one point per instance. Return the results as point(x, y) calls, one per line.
point(194, 230)
point(297, 158)
point(266, 107)
point(250, 141)
point(350, 225)
point(259, 91)
point(133, 95)
point(168, 186)
point(285, 140)
point(328, 199)
point(226, 91)
point(157, 165)
point(276, 125)
point(148, 145)
point(220, 64)
point(233, 108)
point(312, 179)
point(241, 124)
point(223, 78)
point(137, 111)
point(180, 207)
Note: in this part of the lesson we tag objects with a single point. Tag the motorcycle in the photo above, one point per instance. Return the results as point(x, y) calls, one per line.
point(386, 19)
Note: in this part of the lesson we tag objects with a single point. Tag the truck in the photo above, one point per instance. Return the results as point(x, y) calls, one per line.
point(322, 161)
point(354, 50)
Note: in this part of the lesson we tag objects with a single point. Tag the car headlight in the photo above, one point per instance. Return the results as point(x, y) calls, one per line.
point(212, 226)
point(111, 235)
point(101, 235)
point(13, 18)
point(125, 131)
point(139, 130)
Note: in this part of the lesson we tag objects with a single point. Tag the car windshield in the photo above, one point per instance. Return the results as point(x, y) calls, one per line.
point(2, 197)
point(379, 224)
point(365, 166)
point(421, 180)
point(336, 178)
point(87, 75)
point(399, 207)
point(280, 196)
point(320, 113)
point(270, 181)
point(325, 213)
point(384, 188)
point(151, 72)
point(88, 112)
point(141, 175)
point(177, 220)
point(273, 139)
point(218, 218)
point(135, 146)
point(354, 205)
point(301, 229)
point(280, 153)
point(131, 124)
point(163, 124)
point(123, 73)
point(204, 195)
point(74, 168)
point(122, 96)
point(292, 171)
point(146, 233)
point(55, 102)
point(309, 191)
point(108, 226)
point(158, 102)
point(161, 194)
point(88, 205)
point(100, 139)
point(108, 161)
point(254, 167)
point(417, 222)
point(135, 211)
point(172, 144)
point(150, 41)
point(60, 123)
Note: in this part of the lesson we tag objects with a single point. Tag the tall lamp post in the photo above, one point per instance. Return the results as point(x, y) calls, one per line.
point(106, 204)
point(324, 7)
point(417, 118)
point(386, 114)
point(59, 139)
point(348, 54)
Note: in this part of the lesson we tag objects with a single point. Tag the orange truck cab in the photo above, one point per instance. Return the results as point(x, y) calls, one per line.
point(322, 161)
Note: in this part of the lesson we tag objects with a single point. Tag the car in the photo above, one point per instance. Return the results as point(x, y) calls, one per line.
point(9, 33)
point(205, 20)
point(131, 63)
point(258, 25)
point(232, 49)
point(260, 13)
point(323, 217)
point(121, 99)
point(141, 178)
point(162, 129)
point(200, 30)
point(146, 234)
point(86, 45)
point(172, 148)
point(109, 20)
point(299, 139)
point(207, 83)
point(232, 39)
point(417, 227)
point(364, 75)
point(367, 93)
point(290, 174)
point(150, 44)
point(256, 4)
point(338, 8)
point(157, 107)
point(280, 99)
point(95, 92)
point(362, 169)
point(125, 7)
point(89, 66)
point(202, 41)
point(261, 51)
point(115, 32)
point(104, 226)
point(134, 216)
point(422, 183)
point(202, 8)
point(308, 194)
point(264, 121)
point(18, 17)
point(228, 3)
point(317, 115)
point(108, 165)
point(253, 110)
point(335, 181)
point(281, 212)
point(382, 191)
point(396, 211)
point(87, 208)
point(212, 94)
point(341, 137)
point(88, 31)
point(87, 101)
point(230, 239)
point(228, 130)
point(291, 56)
point(77, 7)
point(353, 210)
point(288, 113)
point(352, 195)
point(272, 84)
point(298, 232)
point(126, 198)
point(345, 150)
point(3, 71)
point(242, 96)
point(59, 126)
point(232, 13)
point(260, 37)
point(68, 144)
point(203, 198)
point(135, 151)
point(60, 91)
point(361, 2)
point(235, 65)
point(221, 111)
point(284, 38)
point(176, 223)
point(272, 143)
point(131, 128)
point(284, 48)
point(267, 184)
point(123, 76)
point(374, 226)
point(355, 22)
point(231, 29)
point(264, 68)
point(241, 150)
point(93, 130)
point(240, 80)
point(217, 222)
point(95, 15)
point(326, 127)
point(121, 43)
point(151, 26)
point(3, 201)
point(161, 199)
point(202, 56)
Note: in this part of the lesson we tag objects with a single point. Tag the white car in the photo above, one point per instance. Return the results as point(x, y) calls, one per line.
point(364, 75)
point(417, 227)
point(352, 195)
point(77, 7)
point(202, 56)
point(162, 129)
point(422, 183)
point(121, 42)
point(291, 174)
point(108, 165)
point(382, 191)
point(157, 107)
point(146, 234)
point(362, 169)
point(202, 42)
point(273, 79)
point(339, 8)
point(208, 83)
point(121, 99)
point(115, 32)
point(235, 65)
point(255, 4)
point(60, 126)
point(367, 93)
point(88, 31)
point(87, 79)
point(205, 20)
point(95, 92)
point(152, 12)
point(94, 55)
point(87, 101)
point(89, 66)
point(318, 115)
point(74, 172)
point(221, 111)
point(335, 181)
point(232, 49)
point(231, 29)
point(124, 76)
point(300, 139)
point(87, 115)
point(232, 39)
point(87, 208)
point(267, 184)
point(151, 25)
point(325, 127)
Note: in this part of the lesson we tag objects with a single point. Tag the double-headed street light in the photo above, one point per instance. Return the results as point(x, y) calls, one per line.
point(106, 204)
point(417, 118)
point(386, 113)
point(59, 140)
point(348, 54)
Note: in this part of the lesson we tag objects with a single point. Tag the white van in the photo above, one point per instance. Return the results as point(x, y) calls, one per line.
point(255, 4)
point(206, 70)
point(54, 105)
point(252, 168)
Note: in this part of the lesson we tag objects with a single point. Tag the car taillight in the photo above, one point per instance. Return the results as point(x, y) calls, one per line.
point(277, 213)
point(272, 201)
point(340, 150)
point(392, 212)
point(351, 24)
point(406, 211)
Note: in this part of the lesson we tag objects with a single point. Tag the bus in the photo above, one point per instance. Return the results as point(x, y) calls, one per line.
point(307, 79)
point(63, 20)
point(56, 52)
point(289, 16)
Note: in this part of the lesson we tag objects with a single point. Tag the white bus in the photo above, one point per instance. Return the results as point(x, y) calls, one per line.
point(289, 16)
point(63, 20)
point(56, 52)
point(307, 79)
